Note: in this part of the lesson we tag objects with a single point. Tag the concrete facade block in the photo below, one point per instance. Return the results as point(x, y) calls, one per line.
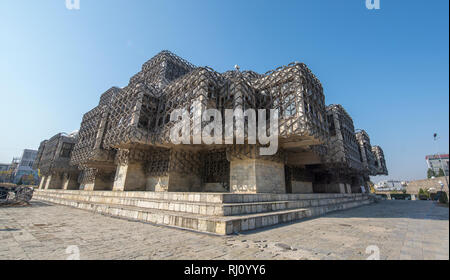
point(257, 176)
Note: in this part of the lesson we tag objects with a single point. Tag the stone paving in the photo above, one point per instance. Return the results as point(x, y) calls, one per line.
point(399, 229)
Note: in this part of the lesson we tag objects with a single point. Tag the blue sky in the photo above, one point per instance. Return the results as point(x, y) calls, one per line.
point(389, 68)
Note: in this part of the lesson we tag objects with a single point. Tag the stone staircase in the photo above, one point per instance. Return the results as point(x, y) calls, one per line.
point(217, 213)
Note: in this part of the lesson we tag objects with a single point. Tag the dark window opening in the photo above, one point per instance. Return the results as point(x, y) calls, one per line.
point(66, 150)
point(332, 127)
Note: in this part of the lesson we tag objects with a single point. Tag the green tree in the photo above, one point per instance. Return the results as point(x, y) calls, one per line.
point(430, 173)
point(423, 194)
point(441, 172)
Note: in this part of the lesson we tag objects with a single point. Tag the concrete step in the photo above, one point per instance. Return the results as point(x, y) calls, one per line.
point(217, 209)
point(202, 197)
point(221, 225)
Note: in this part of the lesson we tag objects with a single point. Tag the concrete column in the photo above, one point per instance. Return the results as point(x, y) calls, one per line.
point(130, 177)
point(348, 188)
point(47, 182)
point(70, 182)
point(54, 182)
point(102, 181)
point(42, 183)
point(257, 176)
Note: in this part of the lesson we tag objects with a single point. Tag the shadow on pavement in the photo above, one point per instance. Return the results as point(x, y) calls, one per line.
point(32, 204)
point(386, 209)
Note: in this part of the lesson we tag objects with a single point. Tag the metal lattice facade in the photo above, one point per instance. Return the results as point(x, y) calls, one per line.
point(380, 160)
point(365, 150)
point(131, 127)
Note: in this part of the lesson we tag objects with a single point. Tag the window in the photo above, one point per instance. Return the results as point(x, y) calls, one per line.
point(306, 106)
point(289, 107)
point(66, 149)
point(332, 128)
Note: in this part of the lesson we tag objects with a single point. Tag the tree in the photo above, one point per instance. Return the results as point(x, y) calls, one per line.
point(441, 173)
point(423, 194)
point(430, 173)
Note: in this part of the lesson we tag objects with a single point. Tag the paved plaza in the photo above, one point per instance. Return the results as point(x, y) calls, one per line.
point(399, 229)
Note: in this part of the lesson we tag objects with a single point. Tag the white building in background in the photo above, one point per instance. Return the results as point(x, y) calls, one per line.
point(4, 167)
point(390, 185)
point(4, 175)
point(25, 165)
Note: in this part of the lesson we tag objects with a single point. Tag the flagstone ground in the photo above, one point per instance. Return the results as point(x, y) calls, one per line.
point(400, 229)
